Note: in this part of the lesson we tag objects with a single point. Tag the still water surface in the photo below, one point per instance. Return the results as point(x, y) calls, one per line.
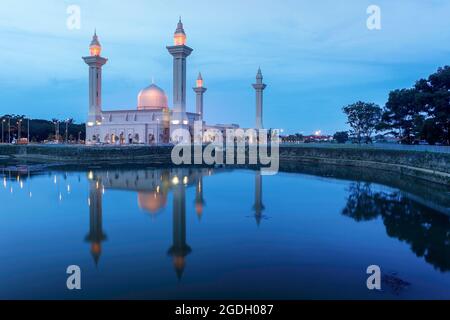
point(158, 233)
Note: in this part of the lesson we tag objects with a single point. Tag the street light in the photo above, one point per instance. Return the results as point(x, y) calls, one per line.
point(56, 122)
point(28, 133)
point(19, 125)
point(67, 130)
point(9, 130)
point(3, 123)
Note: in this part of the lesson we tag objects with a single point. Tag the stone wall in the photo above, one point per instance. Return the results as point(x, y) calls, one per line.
point(431, 166)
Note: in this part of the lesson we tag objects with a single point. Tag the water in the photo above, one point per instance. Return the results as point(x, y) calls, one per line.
point(214, 233)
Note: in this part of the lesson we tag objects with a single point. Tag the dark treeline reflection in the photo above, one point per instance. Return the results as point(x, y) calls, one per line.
point(426, 231)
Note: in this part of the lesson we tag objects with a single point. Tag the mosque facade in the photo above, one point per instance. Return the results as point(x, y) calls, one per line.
point(152, 121)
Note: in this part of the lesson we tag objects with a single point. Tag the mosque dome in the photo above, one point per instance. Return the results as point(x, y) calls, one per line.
point(151, 201)
point(152, 97)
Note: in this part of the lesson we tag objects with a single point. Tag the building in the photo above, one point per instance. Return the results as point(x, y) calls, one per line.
point(152, 121)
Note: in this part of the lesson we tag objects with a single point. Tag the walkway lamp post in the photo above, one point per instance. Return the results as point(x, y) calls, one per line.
point(19, 127)
point(67, 130)
point(9, 130)
point(3, 133)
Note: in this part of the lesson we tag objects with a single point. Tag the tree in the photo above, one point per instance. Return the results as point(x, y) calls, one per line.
point(341, 136)
point(433, 98)
point(401, 115)
point(363, 118)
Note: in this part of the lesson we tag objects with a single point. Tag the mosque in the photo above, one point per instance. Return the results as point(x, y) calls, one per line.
point(152, 122)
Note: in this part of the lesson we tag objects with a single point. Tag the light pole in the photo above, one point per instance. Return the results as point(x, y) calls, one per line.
point(19, 127)
point(67, 130)
point(79, 136)
point(56, 122)
point(3, 134)
point(9, 130)
point(28, 133)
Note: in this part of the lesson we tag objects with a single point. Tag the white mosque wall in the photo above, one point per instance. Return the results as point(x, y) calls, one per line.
point(130, 127)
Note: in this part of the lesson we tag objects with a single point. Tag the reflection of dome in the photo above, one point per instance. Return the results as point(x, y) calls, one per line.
point(151, 201)
point(152, 97)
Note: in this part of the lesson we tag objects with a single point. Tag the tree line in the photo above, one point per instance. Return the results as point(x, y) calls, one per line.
point(411, 115)
point(40, 130)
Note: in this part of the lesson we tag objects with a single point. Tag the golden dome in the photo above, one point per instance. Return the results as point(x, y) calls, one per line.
point(152, 97)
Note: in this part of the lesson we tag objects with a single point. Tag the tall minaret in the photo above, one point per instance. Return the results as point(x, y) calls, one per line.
point(199, 90)
point(95, 63)
point(259, 87)
point(180, 52)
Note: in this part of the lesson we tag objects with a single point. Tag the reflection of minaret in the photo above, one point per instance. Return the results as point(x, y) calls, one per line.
point(258, 207)
point(179, 249)
point(199, 201)
point(96, 235)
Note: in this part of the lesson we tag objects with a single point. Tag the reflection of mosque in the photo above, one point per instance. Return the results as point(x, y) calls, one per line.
point(153, 187)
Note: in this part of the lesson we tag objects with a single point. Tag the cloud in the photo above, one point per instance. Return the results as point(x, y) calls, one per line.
point(315, 56)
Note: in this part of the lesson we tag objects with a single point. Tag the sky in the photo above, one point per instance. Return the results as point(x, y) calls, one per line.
point(316, 56)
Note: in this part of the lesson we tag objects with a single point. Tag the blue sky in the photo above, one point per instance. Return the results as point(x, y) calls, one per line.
point(315, 56)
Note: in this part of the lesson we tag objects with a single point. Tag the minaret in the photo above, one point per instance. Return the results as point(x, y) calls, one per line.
point(180, 52)
point(199, 90)
point(259, 87)
point(95, 63)
point(96, 234)
point(180, 249)
point(258, 207)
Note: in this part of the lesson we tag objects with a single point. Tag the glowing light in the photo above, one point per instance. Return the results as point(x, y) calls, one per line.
point(199, 83)
point(97, 185)
point(90, 175)
point(318, 133)
point(11, 190)
point(179, 39)
point(18, 178)
point(68, 188)
point(31, 195)
point(21, 184)
point(185, 180)
point(89, 202)
point(175, 180)
point(95, 50)
point(103, 190)
point(54, 180)
point(175, 122)
point(60, 196)
point(186, 122)
point(4, 182)
point(157, 189)
point(99, 123)
point(90, 124)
